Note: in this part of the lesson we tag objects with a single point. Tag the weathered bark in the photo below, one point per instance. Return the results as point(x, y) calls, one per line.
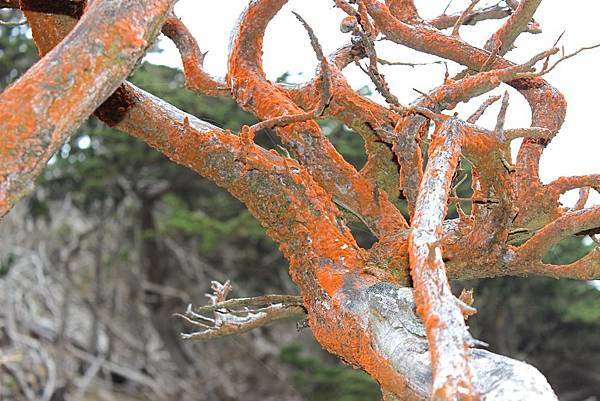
point(48, 103)
point(356, 310)
point(449, 340)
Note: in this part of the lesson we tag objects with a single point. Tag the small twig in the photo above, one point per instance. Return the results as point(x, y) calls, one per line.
point(248, 302)
point(568, 56)
point(584, 194)
point(458, 184)
point(502, 115)
point(372, 71)
point(481, 109)
point(426, 95)
point(236, 316)
point(385, 62)
point(546, 69)
point(447, 7)
point(479, 201)
point(13, 23)
point(463, 17)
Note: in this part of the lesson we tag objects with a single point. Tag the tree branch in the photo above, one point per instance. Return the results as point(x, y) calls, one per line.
point(492, 12)
point(447, 334)
point(47, 103)
point(196, 78)
point(252, 91)
point(516, 24)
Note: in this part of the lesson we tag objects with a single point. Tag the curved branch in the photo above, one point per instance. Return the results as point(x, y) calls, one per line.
point(53, 98)
point(252, 91)
point(196, 78)
point(518, 23)
point(586, 268)
point(550, 235)
point(564, 184)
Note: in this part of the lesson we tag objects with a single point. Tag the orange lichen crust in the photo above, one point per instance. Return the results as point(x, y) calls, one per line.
point(448, 337)
point(253, 92)
point(297, 200)
point(45, 105)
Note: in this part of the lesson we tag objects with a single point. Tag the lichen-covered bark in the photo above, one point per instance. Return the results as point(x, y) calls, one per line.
point(45, 105)
point(449, 340)
point(253, 92)
point(355, 309)
point(367, 323)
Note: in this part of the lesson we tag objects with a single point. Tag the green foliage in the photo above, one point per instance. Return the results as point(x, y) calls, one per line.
point(208, 229)
point(17, 52)
point(567, 251)
point(318, 381)
point(7, 263)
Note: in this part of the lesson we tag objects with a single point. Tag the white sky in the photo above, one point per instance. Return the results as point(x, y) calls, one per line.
point(287, 49)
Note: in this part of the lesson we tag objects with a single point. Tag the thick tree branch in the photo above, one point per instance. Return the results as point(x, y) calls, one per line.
point(447, 334)
point(45, 105)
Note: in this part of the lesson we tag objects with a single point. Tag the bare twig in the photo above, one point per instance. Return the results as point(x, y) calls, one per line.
point(237, 316)
point(407, 64)
point(481, 109)
point(502, 115)
point(584, 194)
point(463, 17)
point(12, 23)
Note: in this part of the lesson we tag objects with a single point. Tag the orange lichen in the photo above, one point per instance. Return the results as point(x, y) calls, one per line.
point(295, 200)
point(46, 104)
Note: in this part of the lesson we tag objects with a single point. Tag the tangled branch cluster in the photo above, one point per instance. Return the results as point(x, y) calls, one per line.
point(299, 200)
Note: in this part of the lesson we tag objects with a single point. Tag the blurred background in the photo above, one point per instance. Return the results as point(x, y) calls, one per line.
point(115, 239)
